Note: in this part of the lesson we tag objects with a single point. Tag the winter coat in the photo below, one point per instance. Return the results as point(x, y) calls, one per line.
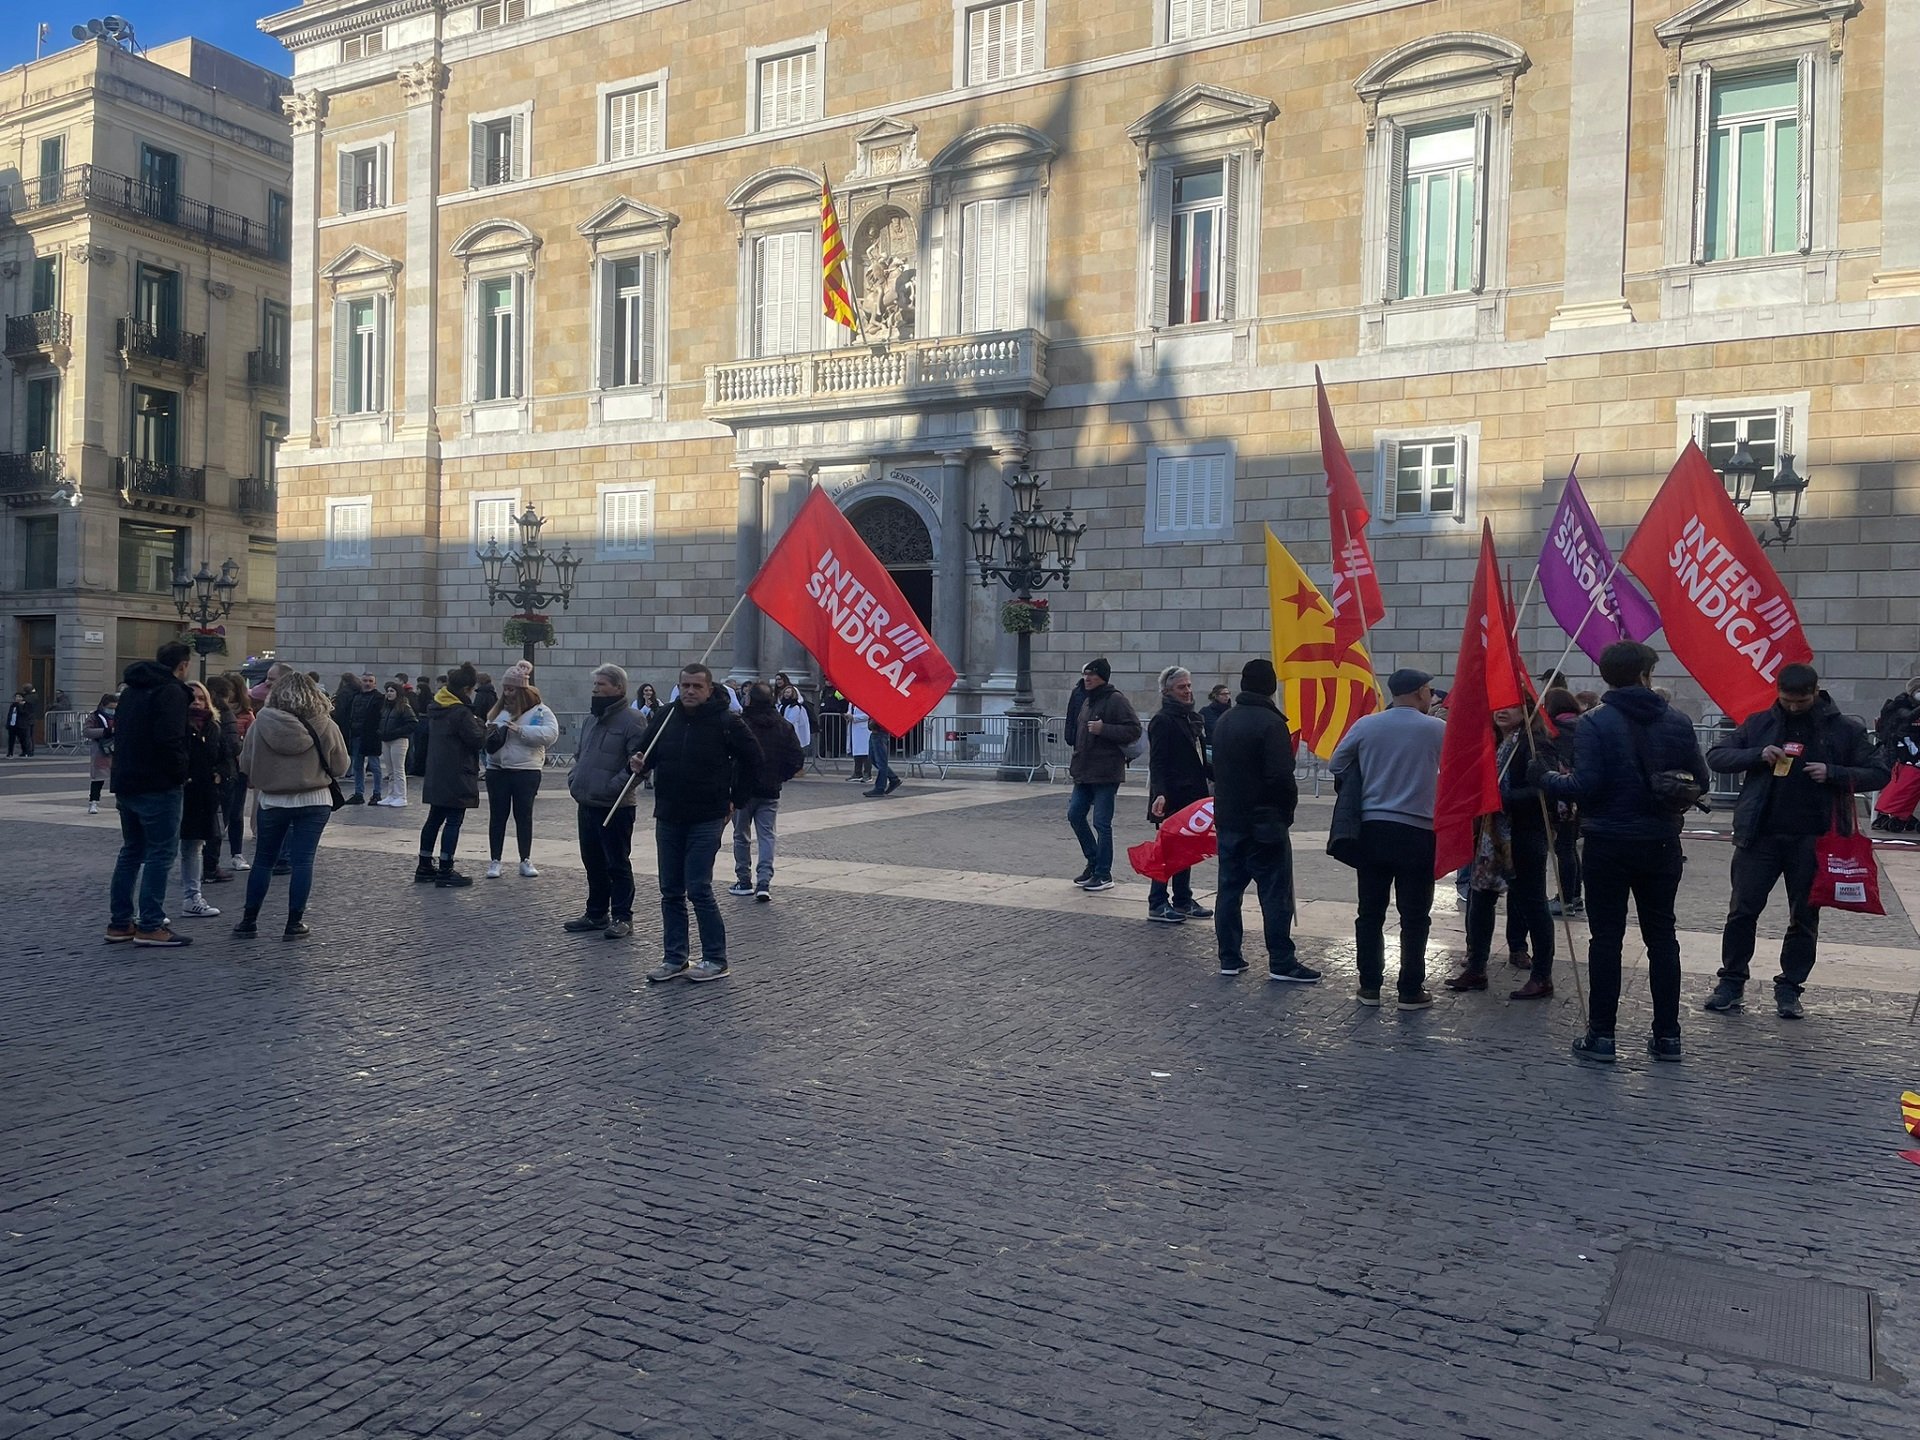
point(796, 714)
point(453, 759)
point(527, 740)
point(1102, 759)
point(485, 697)
point(209, 763)
point(1176, 758)
point(364, 713)
point(1254, 792)
point(607, 743)
point(703, 762)
point(99, 734)
point(397, 720)
point(1076, 702)
point(279, 756)
point(780, 758)
point(1210, 714)
point(150, 731)
point(1616, 800)
point(1842, 745)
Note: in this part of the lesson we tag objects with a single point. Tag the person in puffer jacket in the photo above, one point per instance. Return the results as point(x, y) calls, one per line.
point(781, 758)
point(519, 731)
point(610, 737)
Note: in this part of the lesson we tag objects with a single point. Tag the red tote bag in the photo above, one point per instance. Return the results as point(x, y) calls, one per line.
point(1845, 874)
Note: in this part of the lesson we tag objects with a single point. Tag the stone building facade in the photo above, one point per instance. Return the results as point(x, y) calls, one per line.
point(567, 252)
point(145, 219)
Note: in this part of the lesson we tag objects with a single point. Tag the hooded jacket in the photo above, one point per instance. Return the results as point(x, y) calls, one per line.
point(279, 757)
point(453, 756)
point(703, 762)
point(362, 721)
point(209, 765)
point(1616, 799)
point(781, 757)
point(1842, 745)
point(1254, 792)
point(1176, 757)
point(150, 731)
point(1102, 759)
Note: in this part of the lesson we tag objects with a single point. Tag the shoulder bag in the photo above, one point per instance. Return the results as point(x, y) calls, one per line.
point(1675, 791)
point(320, 753)
point(1845, 874)
point(1343, 831)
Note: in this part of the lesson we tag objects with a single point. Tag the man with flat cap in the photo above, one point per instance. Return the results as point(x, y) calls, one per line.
point(1397, 752)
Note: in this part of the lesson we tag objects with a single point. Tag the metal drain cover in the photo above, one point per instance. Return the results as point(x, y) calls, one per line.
point(1744, 1314)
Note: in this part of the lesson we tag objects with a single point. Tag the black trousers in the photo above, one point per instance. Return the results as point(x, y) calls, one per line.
point(1648, 872)
point(1757, 865)
point(1566, 850)
point(443, 822)
point(511, 791)
point(1269, 869)
point(606, 850)
point(1526, 910)
point(1396, 861)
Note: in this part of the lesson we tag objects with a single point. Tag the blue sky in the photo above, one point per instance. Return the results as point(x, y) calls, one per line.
point(226, 23)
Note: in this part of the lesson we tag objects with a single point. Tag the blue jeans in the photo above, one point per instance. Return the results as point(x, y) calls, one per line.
point(877, 745)
point(1096, 839)
point(1268, 867)
point(149, 843)
point(365, 756)
point(686, 854)
point(762, 817)
point(291, 833)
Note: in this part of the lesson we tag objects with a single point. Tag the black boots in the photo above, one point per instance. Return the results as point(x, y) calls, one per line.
point(450, 878)
point(424, 873)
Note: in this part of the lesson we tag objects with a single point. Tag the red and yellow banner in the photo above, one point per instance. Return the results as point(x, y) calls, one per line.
point(1326, 682)
point(834, 299)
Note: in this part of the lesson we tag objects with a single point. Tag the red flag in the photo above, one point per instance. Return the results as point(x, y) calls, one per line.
point(1357, 606)
point(824, 587)
point(1185, 838)
point(1727, 616)
point(1469, 771)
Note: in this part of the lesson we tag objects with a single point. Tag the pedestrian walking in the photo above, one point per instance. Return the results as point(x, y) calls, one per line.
point(149, 775)
point(1634, 757)
point(294, 755)
point(1106, 729)
point(1254, 799)
point(519, 730)
point(610, 736)
point(453, 776)
point(703, 760)
point(1803, 761)
point(231, 694)
point(343, 696)
point(879, 747)
point(212, 871)
point(397, 725)
point(1177, 775)
point(365, 710)
point(26, 712)
point(859, 741)
point(99, 736)
point(1397, 752)
point(1510, 856)
point(780, 759)
point(203, 798)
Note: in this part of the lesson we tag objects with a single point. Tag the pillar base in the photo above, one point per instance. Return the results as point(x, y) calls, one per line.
point(1592, 314)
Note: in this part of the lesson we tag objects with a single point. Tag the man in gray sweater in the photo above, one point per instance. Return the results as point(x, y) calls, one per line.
point(1398, 754)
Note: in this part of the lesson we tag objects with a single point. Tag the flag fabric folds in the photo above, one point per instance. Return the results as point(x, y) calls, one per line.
point(1357, 604)
point(1593, 603)
point(834, 297)
point(1184, 839)
point(1484, 680)
point(1728, 618)
point(824, 587)
point(1326, 683)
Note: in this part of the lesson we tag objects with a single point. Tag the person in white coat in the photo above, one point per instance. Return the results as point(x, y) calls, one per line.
point(793, 710)
point(859, 741)
point(519, 730)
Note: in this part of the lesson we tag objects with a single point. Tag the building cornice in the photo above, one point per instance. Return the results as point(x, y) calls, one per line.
point(297, 28)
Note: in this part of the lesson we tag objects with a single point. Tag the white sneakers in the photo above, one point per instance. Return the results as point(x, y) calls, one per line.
point(93, 807)
point(526, 869)
point(199, 907)
point(493, 870)
point(240, 863)
point(398, 802)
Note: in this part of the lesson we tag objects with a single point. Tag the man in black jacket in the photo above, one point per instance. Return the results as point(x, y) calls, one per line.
point(1632, 844)
point(780, 760)
point(1254, 797)
point(361, 724)
point(1177, 774)
point(1803, 761)
point(702, 758)
point(149, 781)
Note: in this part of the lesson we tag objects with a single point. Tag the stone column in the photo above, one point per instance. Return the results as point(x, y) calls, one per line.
point(747, 551)
point(419, 300)
point(791, 482)
point(1593, 291)
point(303, 110)
point(956, 563)
point(1899, 272)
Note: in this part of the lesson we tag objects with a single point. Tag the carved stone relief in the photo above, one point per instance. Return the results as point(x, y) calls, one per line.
point(885, 251)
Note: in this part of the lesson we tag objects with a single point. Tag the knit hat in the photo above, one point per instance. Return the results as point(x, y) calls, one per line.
point(1257, 678)
point(1407, 680)
point(1097, 666)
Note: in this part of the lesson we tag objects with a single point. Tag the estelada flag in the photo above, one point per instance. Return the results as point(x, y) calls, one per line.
point(1469, 772)
point(1326, 683)
point(1727, 616)
point(834, 299)
point(1357, 606)
point(824, 587)
point(1185, 838)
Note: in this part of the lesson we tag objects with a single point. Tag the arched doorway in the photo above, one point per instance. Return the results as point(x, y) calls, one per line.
point(899, 539)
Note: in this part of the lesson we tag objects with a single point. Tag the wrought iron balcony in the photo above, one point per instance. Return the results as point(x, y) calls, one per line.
point(139, 340)
point(266, 370)
point(909, 374)
point(39, 333)
point(152, 485)
point(84, 185)
point(26, 479)
point(257, 497)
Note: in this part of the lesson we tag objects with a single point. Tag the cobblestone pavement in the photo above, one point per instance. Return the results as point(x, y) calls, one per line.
point(923, 1166)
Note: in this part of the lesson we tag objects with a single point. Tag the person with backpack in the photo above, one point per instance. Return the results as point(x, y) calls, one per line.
point(1106, 736)
point(781, 758)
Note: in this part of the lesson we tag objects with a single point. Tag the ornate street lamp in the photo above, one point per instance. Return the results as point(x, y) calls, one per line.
point(529, 591)
point(1740, 475)
point(1783, 493)
point(202, 599)
point(1018, 553)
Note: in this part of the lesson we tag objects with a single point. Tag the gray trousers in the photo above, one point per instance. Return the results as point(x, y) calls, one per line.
point(761, 816)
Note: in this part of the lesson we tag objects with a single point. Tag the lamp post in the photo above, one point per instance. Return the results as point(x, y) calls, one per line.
point(1745, 482)
point(203, 598)
point(531, 589)
point(1017, 553)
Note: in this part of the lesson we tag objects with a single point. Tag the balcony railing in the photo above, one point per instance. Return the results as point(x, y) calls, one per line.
point(153, 480)
point(139, 339)
point(39, 332)
point(257, 497)
point(911, 372)
point(266, 370)
point(32, 475)
point(162, 204)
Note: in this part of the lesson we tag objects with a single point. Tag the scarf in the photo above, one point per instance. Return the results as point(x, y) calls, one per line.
point(603, 705)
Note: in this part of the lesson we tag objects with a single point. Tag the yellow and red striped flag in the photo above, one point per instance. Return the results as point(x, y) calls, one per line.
point(1326, 682)
point(834, 299)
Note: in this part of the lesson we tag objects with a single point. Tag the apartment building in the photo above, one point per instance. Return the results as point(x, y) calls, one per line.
point(145, 219)
point(566, 252)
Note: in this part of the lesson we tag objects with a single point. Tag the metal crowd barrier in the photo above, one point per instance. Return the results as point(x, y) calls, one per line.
point(62, 731)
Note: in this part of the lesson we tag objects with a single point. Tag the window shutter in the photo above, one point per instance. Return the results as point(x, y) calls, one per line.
point(1017, 312)
point(1805, 137)
point(342, 354)
point(978, 24)
point(649, 318)
point(1179, 20)
point(518, 142)
point(1459, 511)
point(476, 155)
point(1387, 135)
point(606, 316)
point(1700, 431)
point(383, 179)
point(1165, 499)
point(1160, 246)
point(344, 159)
point(517, 338)
point(1024, 59)
point(1389, 488)
point(382, 348)
point(1211, 512)
point(1482, 174)
point(809, 93)
point(1702, 150)
point(1230, 221)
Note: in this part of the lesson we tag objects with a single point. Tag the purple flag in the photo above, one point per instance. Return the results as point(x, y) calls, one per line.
point(1581, 586)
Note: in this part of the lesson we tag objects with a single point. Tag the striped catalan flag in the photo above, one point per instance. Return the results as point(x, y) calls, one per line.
point(1326, 682)
point(834, 299)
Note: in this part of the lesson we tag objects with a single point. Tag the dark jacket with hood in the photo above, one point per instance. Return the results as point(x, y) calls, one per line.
point(1102, 759)
point(397, 719)
point(150, 731)
point(363, 718)
point(485, 697)
point(704, 761)
point(780, 756)
point(1254, 792)
point(1615, 797)
point(1176, 757)
point(1210, 714)
point(1793, 804)
point(210, 760)
point(453, 758)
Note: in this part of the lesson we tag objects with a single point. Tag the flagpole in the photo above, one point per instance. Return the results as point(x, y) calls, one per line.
point(627, 789)
point(1592, 605)
point(1553, 863)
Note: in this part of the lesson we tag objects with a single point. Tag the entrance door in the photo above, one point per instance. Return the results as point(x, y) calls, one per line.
point(36, 667)
point(899, 540)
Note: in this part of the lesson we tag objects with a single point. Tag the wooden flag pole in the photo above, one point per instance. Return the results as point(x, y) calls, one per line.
point(1553, 863)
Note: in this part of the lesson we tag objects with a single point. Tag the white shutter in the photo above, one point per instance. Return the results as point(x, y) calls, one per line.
point(809, 88)
point(606, 316)
point(1230, 218)
point(517, 133)
point(979, 22)
point(382, 347)
point(1459, 511)
point(1211, 505)
point(1389, 505)
point(517, 337)
point(1387, 135)
point(1804, 67)
point(1702, 153)
point(382, 180)
point(342, 353)
point(1026, 39)
point(1166, 500)
point(476, 154)
point(1180, 19)
point(344, 159)
point(1482, 175)
point(648, 320)
point(1159, 246)
point(1017, 222)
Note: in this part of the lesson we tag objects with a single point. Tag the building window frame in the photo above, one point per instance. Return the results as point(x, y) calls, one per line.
point(40, 412)
point(492, 14)
point(1171, 517)
point(156, 434)
point(1178, 22)
point(499, 259)
point(623, 231)
point(46, 285)
point(37, 547)
point(51, 177)
point(272, 434)
point(363, 45)
point(608, 98)
point(615, 505)
point(142, 539)
point(362, 345)
point(1393, 448)
point(1008, 167)
point(982, 57)
point(363, 175)
point(348, 532)
point(1706, 422)
point(500, 147)
point(811, 106)
point(490, 514)
point(360, 273)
